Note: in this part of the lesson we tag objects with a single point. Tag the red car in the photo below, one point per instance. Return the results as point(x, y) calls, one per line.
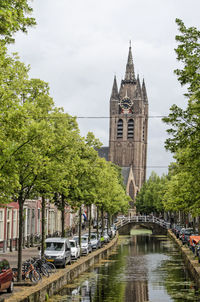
point(6, 276)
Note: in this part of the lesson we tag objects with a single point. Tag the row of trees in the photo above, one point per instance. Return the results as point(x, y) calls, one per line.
point(179, 191)
point(41, 150)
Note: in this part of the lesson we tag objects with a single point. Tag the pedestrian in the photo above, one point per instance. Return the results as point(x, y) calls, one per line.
point(193, 246)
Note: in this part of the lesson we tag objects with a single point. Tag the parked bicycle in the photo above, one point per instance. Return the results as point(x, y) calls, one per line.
point(43, 266)
point(29, 272)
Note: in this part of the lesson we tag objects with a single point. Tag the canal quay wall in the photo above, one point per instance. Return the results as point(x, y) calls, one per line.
point(191, 263)
point(48, 287)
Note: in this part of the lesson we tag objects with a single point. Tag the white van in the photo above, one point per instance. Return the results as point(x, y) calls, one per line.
point(58, 251)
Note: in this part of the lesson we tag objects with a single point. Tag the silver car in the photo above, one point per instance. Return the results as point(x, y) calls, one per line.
point(86, 247)
point(75, 249)
point(94, 240)
point(58, 251)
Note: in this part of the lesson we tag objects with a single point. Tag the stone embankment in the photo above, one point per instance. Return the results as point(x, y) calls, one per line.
point(190, 261)
point(47, 287)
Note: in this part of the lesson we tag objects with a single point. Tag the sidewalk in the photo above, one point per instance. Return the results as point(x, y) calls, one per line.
point(26, 254)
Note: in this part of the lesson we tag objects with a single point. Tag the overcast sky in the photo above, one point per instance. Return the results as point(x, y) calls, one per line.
point(78, 46)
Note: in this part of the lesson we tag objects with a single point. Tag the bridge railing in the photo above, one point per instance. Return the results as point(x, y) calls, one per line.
point(145, 219)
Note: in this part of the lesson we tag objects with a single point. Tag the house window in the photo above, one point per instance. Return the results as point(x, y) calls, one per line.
point(120, 129)
point(1, 225)
point(8, 224)
point(130, 129)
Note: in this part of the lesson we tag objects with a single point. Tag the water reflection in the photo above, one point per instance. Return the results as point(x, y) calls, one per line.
point(143, 268)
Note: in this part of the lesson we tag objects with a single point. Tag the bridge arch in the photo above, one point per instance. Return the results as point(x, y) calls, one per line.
point(158, 227)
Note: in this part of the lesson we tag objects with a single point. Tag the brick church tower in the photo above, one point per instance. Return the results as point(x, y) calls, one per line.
point(128, 127)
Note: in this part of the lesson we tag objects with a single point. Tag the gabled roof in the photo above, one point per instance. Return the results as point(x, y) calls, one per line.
point(125, 174)
point(103, 152)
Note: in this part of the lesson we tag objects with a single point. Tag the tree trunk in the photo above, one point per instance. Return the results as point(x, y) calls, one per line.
point(43, 226)
point(90, 214)
point(102, 221)
point(97, 221)
point(198, 224)
point(21, 223)
point(108, 222)
point(63, 215)
point(80, 225)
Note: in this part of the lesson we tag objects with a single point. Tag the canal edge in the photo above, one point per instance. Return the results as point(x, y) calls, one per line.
point(50, 286)
point(189, 259)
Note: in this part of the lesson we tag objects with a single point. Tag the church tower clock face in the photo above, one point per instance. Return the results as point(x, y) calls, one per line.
point(126, 104)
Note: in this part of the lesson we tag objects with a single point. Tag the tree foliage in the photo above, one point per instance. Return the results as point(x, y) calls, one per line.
point(149, 199)
point(183, 191)
point(14, 16)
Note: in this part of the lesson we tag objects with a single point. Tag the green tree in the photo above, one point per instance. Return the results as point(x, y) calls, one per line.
point(183, 191)
point(149, 199)
point(14, 16)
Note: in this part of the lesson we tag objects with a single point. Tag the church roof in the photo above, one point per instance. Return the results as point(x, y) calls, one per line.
point(103, 152)
point(125, 174)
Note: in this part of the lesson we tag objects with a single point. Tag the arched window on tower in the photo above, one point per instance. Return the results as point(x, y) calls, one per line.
point(130, 129)
point(120, 129)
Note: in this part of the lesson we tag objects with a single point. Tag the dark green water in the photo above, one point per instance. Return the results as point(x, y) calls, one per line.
point(143, 268)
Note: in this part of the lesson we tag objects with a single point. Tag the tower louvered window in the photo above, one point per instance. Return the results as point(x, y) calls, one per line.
point(120, 129)
point(143, 134)
point(130, 128)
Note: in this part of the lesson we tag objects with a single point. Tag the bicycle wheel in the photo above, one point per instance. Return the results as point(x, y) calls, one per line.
point(44, 271)
point(34, 276)
point(48, 268)
point(51, 267)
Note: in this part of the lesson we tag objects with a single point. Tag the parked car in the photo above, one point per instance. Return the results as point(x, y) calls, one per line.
point(76, 238)
point(197, 251)
point(188, 241)
point(75, 249)
point(94, 240)
point(58, 251)
point(86, 247)
point(180, 233)
point(113, 231)
point(95, 224)
point(6, 276)
point(106, 236)
point(177, 228)
point(186, 233)
point(194, 243)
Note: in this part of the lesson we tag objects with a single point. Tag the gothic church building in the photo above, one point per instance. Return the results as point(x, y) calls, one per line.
point(128, 129)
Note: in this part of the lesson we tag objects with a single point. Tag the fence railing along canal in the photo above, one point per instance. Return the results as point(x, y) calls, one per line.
point(143, 219)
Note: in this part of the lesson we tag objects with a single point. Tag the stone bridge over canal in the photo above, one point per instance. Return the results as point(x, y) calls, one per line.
point(156, 225)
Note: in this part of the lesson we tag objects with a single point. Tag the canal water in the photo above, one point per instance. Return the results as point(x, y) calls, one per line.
point(142, 268)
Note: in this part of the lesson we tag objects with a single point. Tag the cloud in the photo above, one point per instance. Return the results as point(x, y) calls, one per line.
point(78, 46)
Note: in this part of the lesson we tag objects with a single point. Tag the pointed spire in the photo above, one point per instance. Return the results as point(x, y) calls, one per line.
point(130, 75)
point(139, 86)
point(114, 94)
point(144, 92)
